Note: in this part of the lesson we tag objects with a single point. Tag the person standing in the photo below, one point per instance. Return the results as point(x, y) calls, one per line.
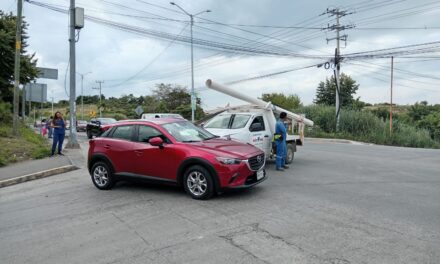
point(280, 142)
point(49, 126)
point(59, 130)
point(44, 127)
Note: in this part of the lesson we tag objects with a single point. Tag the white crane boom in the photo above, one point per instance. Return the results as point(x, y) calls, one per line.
point(266, 105)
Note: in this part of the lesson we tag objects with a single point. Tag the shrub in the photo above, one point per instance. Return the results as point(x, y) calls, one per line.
point(365, 126)
point(119, 116)
point(5, 113)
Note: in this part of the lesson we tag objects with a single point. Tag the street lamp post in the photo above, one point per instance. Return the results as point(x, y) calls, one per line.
point(191, 16)
point(82, 92)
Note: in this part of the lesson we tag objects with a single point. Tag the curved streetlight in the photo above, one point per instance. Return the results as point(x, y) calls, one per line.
point(191, 16)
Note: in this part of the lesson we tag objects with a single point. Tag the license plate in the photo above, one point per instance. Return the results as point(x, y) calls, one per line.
point(260, 174)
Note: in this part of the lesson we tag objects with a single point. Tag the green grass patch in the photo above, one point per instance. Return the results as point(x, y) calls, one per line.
point(28, 145)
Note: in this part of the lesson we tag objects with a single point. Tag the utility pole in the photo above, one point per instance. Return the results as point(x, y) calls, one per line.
point(52, 101)
point(73, 142)
point(23, 104)
point(100, 89)
point(193, 95)
point(337, 60)
point(82, 92)
point(391, 101)
point(17, 66)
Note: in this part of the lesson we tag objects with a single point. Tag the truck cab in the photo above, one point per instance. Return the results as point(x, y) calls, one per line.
point(251, 125)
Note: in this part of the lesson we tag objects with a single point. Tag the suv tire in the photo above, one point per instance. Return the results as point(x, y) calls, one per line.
point(198, 182)
point(102, 176)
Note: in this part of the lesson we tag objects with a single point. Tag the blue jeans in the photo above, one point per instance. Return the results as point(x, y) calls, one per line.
point(57, 139)
point(281, 153)
point(50, 130)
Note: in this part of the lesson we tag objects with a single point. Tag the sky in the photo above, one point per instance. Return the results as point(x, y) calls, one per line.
point(130, 63)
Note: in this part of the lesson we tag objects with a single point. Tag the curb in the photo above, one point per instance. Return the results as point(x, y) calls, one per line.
point(337, 140)
point(37, 175)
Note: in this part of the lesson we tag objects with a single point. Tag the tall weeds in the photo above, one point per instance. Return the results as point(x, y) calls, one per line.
point(364, 126)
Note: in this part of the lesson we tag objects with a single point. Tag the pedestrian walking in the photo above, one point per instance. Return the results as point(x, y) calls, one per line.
point(49, 127)
point(59, 129)
point(280, 142)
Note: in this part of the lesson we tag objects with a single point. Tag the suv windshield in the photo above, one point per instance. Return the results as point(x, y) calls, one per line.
point(187, 132)
point(223, 121)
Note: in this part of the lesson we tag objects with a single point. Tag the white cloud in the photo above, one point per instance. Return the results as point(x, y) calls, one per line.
point(113, 54)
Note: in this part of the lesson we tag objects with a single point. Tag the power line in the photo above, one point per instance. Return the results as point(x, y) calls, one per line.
point(200, 42)
point(149, 63)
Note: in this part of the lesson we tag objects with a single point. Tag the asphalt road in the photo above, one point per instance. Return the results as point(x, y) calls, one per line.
point(339, 203)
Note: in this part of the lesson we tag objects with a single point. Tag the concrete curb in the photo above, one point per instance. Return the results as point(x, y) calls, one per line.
point(37, 175)
point(337, 140)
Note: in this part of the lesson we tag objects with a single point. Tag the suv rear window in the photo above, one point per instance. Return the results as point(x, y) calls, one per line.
point(123, 132)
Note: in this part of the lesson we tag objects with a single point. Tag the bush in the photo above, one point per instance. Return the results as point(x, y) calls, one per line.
point(5, 113)
point(365, 126)
point(119, 116)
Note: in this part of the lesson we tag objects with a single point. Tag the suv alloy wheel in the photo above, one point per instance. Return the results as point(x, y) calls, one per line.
point(102, 176)
point(198, 182)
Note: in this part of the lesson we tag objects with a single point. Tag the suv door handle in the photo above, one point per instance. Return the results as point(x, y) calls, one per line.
point(107, 146)
point(138, 152)
point(266, 135)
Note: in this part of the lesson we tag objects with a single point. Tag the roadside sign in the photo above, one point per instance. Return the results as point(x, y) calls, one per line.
point(36, 92)
point(47, 73)
point(92, 114)
point(139, 110)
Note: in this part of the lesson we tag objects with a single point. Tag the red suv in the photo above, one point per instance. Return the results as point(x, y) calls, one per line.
point(173, 151)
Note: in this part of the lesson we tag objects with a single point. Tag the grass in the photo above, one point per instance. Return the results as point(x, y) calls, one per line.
point(366, 127)
point(28, 145)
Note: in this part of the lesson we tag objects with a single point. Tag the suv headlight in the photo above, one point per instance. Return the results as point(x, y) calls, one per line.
point(228, 161)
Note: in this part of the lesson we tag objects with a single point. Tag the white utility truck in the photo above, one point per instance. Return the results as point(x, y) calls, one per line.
point(254, 123)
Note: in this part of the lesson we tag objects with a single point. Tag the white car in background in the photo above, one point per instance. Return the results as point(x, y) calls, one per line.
point(161, 115)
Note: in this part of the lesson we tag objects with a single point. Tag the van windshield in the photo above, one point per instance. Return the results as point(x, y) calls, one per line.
point(228, 121)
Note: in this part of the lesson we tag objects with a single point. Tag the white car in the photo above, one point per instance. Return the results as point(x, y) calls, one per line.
point(161, 115)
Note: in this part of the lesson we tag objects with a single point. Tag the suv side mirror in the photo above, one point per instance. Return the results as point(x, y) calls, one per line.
point(156, 141)
point(256, 127)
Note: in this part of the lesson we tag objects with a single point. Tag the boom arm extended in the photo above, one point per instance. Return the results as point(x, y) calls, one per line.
point(266, 105)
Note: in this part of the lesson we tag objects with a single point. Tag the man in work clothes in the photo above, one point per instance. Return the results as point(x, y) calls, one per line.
point(280, 142)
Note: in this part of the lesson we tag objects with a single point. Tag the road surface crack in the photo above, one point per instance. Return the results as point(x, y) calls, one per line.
point(131, 228)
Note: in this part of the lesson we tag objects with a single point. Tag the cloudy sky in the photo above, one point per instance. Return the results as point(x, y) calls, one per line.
point(130, 62)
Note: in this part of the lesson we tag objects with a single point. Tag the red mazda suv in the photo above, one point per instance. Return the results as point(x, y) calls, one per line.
point(173, 151)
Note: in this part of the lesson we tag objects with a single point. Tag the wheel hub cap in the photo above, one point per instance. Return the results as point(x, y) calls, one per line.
point(197, 183)
point(100, 175)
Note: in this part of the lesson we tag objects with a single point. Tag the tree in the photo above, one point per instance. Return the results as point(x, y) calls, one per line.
point(28, 70)
point(176, 99)
point(288, 102)
point(172, 96)
point(326, 91)
point(419, 110)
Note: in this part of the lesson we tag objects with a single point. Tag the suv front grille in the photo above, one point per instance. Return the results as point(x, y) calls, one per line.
point(256, 162)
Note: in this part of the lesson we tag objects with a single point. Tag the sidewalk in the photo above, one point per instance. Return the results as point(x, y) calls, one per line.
point(35, 169)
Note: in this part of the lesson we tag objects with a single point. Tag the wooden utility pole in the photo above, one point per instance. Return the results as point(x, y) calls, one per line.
point(391, 99)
